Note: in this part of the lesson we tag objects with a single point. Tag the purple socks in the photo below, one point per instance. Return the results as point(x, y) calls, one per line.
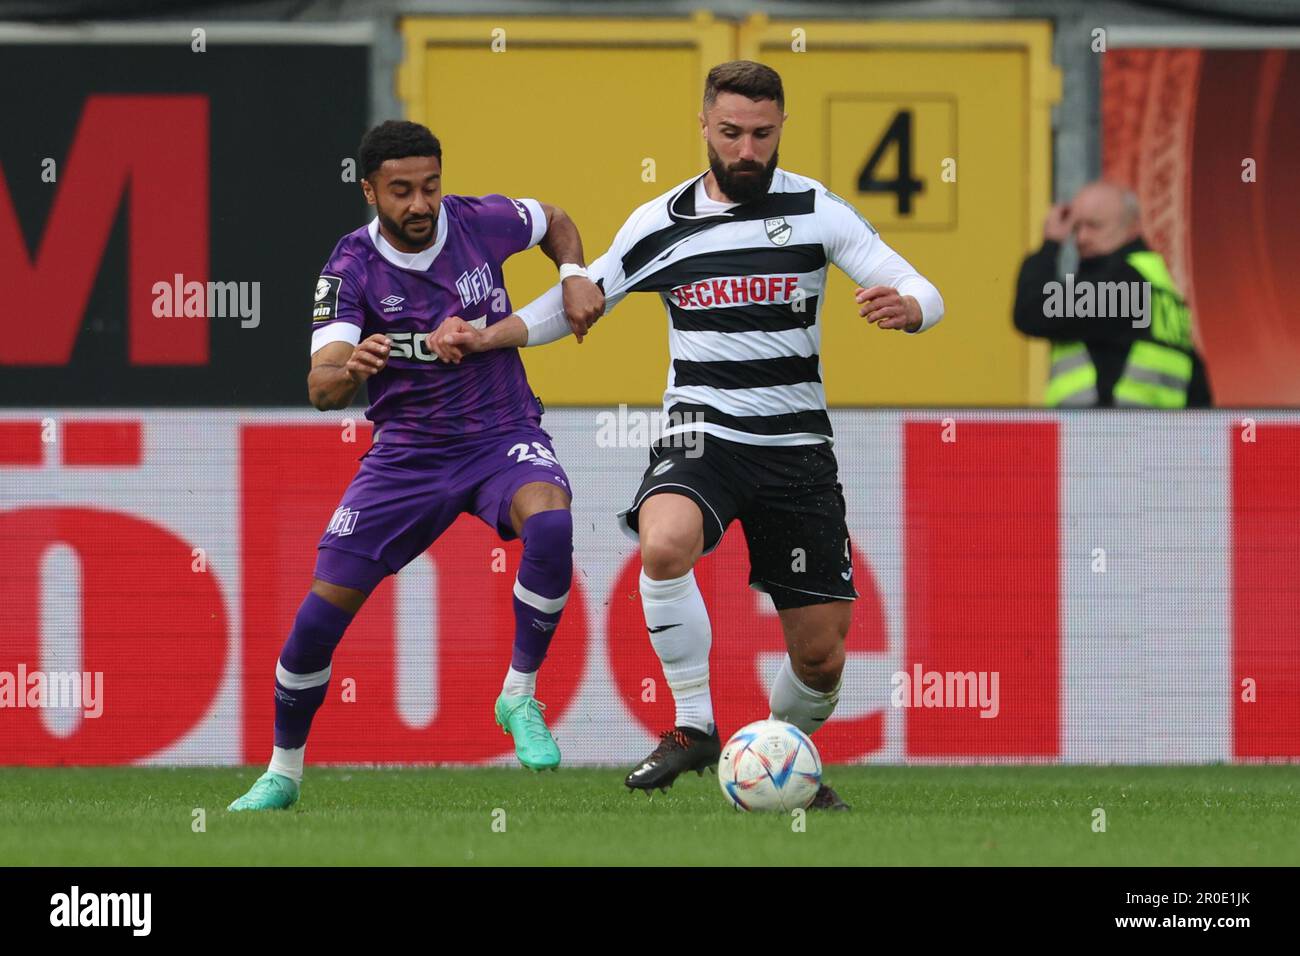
point(541, 589)
point(302, 674)
point(542, 586)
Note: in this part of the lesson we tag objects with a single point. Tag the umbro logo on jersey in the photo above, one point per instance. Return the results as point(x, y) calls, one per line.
point(392, 303)
point(778, 230)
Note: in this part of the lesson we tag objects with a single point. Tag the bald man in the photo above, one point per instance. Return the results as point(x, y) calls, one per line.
point(1120, 330)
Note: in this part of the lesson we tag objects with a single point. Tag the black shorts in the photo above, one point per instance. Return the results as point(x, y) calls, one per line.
point(789, 502)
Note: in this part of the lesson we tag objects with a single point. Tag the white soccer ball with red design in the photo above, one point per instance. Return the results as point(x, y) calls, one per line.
point(770, 765)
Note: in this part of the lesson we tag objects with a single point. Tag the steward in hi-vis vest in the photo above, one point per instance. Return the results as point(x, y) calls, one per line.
point(1120, 331)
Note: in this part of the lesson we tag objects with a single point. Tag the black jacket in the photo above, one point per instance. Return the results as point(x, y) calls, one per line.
point(1108, 339)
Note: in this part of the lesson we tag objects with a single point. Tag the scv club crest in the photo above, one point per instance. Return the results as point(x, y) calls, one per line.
point(778, 230)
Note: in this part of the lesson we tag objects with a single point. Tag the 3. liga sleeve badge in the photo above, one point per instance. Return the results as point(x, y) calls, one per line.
point(326, 308)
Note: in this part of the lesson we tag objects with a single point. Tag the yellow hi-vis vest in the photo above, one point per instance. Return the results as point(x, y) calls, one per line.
point(1156, 374)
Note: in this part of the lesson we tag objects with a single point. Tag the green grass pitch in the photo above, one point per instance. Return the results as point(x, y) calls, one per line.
point(1195, 816)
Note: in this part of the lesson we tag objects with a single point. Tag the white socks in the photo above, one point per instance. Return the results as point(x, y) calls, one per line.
point(519, 684)
point(796, 703)
point(681, 636)
point(288, 762)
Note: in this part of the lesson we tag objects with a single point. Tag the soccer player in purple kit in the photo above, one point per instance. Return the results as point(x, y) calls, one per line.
point(449, 438)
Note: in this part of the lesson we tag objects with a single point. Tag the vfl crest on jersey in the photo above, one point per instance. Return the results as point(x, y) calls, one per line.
point(326, 308)
point(474, 286)
point(778, 230)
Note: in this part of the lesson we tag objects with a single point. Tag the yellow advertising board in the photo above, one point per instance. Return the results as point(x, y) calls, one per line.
point(938, 132)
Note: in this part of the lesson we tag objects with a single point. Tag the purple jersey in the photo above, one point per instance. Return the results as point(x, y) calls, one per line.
point(368, 286)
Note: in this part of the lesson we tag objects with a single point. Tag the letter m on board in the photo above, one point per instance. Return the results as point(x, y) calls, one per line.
point(151, 151)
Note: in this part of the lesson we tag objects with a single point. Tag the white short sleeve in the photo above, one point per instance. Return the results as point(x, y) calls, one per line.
point(538, 216)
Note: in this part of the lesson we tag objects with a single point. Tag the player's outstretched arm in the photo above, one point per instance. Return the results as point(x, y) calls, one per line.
point(455, 338)
point(549, 317)
point(338, 369)
point(582, 299)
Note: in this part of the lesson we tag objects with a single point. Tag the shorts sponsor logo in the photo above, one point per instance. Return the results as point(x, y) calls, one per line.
point(343, 522)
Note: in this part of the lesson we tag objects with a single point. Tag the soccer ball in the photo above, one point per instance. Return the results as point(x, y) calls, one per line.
point(770, 765)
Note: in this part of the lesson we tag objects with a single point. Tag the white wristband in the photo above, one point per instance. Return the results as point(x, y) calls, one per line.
point(570, 269)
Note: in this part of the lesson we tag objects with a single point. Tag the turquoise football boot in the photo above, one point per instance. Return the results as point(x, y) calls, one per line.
point(521, 718)
point(271, 791)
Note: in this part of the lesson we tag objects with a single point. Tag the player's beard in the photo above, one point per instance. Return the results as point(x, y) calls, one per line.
point(417, 241)
point(743, 182)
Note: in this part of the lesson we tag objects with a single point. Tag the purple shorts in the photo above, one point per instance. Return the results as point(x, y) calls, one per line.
point(404, 496)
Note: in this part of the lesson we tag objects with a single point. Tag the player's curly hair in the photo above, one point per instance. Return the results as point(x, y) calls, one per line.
point(754, 80)
point(395, 139)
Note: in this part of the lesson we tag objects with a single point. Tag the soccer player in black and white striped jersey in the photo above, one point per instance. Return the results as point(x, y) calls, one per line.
point(739, 257)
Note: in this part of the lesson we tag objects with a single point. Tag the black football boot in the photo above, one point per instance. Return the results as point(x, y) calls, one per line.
point(680, 749)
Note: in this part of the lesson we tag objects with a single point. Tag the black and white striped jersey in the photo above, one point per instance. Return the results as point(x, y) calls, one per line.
point(743, 288)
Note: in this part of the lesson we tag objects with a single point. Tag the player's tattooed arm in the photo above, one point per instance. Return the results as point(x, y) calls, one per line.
point(338, 369)
point(584, 302)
